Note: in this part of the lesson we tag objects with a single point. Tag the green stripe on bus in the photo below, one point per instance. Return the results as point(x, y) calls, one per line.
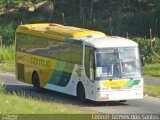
point(61, 74)
point(132, 82)
point(70, 40)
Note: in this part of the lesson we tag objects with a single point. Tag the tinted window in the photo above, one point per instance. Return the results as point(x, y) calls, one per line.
point(53, 49)
point(64, 51)
point(31, 44)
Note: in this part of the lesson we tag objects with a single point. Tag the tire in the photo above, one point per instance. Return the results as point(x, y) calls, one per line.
point(36, 82)
point(122, 101)
point(81, 93)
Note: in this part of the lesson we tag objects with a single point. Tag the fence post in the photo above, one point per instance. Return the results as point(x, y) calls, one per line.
point(150, 46)
point(149, 51)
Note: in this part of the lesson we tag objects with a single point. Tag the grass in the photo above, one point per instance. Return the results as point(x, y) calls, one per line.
point(152, 90)
point(7, 67)
point(15, 104)
point(7, 54)
point(2, 89)
point(152, 70)
point(7, 58)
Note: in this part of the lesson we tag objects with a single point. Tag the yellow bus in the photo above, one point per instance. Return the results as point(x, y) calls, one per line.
point(79, 62)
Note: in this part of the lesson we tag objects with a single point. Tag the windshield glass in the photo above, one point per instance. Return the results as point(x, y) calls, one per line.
point(112, 63)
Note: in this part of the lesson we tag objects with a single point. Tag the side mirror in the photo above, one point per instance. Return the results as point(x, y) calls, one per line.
point(142, 60)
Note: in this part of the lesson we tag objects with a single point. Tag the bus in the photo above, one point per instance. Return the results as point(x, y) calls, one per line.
point(79, 62)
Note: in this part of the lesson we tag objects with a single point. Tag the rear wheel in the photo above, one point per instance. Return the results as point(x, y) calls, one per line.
point(81, 93)
point(36, 82)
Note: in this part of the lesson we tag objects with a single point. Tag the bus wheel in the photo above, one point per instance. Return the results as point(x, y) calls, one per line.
point(36, 82)
point(81, 93)
point(122, 101)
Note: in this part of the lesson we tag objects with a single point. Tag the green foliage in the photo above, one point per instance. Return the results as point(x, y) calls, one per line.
point(123, 17)
point(7, 32)
point(152, 90)
point(7, 54)
point(134, 17)
point(152, 70)
point(2, 88)
point(20, 104)
point(8, 4)
point(147, 49)
point(5, 67)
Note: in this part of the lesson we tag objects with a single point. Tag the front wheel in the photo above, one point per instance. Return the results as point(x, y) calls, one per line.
point(122, 101)
point(81, 93)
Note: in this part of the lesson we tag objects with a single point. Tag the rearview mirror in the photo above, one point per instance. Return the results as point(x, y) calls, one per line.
point(142, 57)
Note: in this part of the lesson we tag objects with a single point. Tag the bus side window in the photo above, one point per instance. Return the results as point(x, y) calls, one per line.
point(89, 62)
point(52, 49)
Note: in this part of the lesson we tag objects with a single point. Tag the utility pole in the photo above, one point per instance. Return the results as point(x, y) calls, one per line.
point(150, 46)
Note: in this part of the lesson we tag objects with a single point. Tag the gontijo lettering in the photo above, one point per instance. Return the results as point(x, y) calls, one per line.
point(40, 62)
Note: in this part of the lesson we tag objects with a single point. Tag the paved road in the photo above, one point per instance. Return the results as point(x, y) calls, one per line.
point(152, 81)
point(148, 105)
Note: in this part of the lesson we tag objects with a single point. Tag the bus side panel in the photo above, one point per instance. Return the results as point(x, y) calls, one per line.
point(26, 64)
point(61, 74)
point(53, 74)
point(66, 80)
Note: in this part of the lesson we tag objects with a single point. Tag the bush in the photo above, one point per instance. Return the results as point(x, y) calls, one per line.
point(148, 49)
point(7, 34)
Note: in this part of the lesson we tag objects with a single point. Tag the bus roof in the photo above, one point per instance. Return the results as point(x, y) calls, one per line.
point(57, 29)
point(59, 32)
point(109, 42)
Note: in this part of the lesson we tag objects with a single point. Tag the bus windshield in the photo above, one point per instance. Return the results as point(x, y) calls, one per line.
point(113, 63)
